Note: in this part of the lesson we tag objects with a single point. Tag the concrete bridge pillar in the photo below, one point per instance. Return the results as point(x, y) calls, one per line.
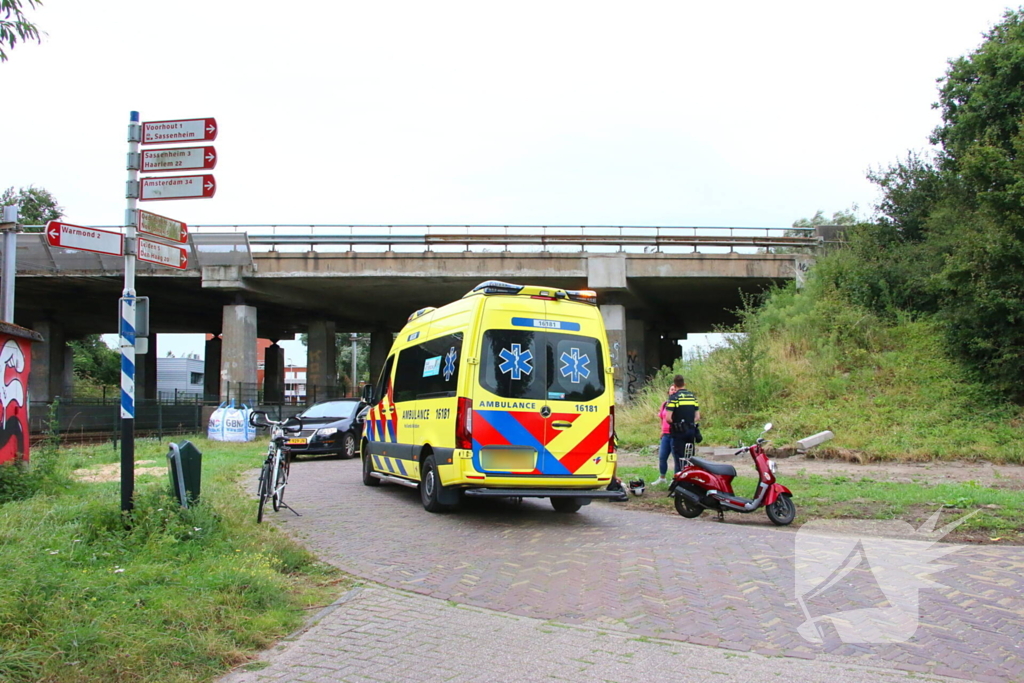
point(380, 344)
point(615, 325)
point(238, 354)
point(273, 374)
point(211, 369)
point(636, 357)
point(52, 371)
point(321, 361)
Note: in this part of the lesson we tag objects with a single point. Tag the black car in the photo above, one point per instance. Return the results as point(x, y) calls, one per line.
point(329, 427)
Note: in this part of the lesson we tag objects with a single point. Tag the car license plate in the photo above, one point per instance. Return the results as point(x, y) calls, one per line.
point(297, 441)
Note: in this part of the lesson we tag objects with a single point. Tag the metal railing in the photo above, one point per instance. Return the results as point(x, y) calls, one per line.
point(653, 239)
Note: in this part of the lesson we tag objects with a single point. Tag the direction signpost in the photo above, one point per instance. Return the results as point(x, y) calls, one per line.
point(68, 236)
point(162, 254)
point(161, 226)
point(182, 130)
point(178, 159)
point(178, 187)
point(143, 248)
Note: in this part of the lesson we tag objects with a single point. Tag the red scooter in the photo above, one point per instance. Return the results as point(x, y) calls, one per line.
point(701, 485)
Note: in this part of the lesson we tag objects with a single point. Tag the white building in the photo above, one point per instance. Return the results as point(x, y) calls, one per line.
point(179, 377)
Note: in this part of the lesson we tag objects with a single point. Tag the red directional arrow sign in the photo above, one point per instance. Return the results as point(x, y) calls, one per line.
point(67, 236)
point(178, 187)
point(178, 159)
point(162, 254)
point(183, 130)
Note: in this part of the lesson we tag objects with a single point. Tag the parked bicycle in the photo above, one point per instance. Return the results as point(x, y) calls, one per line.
point(274, 475)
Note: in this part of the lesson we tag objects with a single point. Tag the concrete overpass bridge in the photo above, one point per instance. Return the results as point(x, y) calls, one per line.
point(655, 286)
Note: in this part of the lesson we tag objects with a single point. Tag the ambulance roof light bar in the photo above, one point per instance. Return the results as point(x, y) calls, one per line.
point(497, 287)
point(585, 296)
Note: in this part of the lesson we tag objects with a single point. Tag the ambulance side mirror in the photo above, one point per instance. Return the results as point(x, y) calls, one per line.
point(368, 394)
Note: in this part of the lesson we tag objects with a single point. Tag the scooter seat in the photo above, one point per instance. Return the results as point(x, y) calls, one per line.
point(715, 467)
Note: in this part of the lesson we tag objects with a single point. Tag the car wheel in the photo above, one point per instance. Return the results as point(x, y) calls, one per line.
point(348, 445)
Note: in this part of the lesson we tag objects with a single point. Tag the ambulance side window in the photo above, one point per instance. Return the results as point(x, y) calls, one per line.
point(407, 376)
point(382, 382)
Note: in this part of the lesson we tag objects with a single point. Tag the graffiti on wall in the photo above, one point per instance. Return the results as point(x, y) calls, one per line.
point(15, 357)
point(634, 373)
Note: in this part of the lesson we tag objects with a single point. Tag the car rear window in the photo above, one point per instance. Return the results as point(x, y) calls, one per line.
point(542, 365)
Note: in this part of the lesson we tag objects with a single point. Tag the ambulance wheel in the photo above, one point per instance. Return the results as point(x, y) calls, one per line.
point(430, 486)
point(368, 478)
point(565, 504)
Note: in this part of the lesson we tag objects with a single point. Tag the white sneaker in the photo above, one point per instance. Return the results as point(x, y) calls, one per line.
point(659, 480)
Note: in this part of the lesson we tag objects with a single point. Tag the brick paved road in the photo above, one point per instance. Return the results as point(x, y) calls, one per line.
point(378, 634)
point(646, 574)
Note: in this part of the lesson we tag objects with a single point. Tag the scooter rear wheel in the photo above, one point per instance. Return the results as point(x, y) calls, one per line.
point(782, 511)
point(687, 508)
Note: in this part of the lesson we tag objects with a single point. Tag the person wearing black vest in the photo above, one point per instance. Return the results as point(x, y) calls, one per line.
point(684, 415)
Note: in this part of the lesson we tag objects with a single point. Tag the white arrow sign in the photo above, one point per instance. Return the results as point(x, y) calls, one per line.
point(178, 187)
point(162, 254)
point(178, 159)
point(67, 236)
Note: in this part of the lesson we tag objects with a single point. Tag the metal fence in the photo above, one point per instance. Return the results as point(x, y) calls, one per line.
point(96, 413)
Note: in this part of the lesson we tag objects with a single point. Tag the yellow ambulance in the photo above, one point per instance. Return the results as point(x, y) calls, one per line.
point(506, 392)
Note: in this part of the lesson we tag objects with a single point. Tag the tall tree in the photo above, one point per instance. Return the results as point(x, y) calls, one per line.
point(96, 362)
point(37, 205)
point(14, 26)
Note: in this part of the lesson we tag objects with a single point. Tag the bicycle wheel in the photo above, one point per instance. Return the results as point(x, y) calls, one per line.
point(281, 478)
point(264, 490)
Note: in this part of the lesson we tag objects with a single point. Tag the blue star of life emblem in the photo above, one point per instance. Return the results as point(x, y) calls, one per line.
point(449, 363)
point(575, 365)
point(516, 361)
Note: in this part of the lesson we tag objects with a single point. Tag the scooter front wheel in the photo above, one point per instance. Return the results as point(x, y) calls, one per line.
point(687, 508)
point(782, 511)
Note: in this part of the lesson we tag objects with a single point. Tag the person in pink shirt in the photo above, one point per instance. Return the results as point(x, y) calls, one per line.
point(665, 448)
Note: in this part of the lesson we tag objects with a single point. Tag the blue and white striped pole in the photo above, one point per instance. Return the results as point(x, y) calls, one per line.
point(127, 327)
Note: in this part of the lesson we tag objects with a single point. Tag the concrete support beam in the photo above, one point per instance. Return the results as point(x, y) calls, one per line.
point(615, 324)
point(273, 374)
point(636, 357)
point(652, 350)
point(321, 362)
point(67, 380)
point(48, 361)
point(380, 344)
point(606, 272)
point(238, 355)
point(211, 369)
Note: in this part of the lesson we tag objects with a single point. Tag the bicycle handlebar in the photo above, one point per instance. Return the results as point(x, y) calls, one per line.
point(289, 424)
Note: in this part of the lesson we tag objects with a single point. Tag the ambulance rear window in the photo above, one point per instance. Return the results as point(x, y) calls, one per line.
point(542, 365)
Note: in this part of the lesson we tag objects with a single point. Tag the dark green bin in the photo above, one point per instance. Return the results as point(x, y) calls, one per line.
point(185, 463)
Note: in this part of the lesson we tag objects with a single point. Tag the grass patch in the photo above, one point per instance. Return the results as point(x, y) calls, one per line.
point(809, 361)
point(1001, 516)
point(181, 595)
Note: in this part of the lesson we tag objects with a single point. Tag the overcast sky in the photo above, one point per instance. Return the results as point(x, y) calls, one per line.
point(641, 113)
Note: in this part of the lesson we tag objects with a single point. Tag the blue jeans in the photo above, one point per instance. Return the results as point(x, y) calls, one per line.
point(663, 451)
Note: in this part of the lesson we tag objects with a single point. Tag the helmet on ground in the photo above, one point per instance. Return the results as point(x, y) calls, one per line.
point(636, 487)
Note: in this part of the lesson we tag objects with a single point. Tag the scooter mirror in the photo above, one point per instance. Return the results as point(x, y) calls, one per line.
point(768, 427)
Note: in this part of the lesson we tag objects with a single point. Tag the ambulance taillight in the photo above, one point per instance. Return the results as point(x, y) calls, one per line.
point(464, 424)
